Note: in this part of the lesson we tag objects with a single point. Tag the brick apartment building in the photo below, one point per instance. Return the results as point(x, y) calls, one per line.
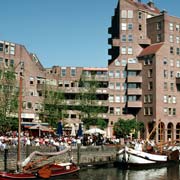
point(142, 78)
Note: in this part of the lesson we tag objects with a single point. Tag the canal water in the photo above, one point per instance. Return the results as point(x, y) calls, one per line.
point(167, 173)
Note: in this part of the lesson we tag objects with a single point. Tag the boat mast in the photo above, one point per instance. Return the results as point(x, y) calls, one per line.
point(19, 118)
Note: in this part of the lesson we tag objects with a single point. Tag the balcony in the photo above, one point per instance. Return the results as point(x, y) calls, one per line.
point(92, 103)
point(134, 79)
point(134, 91)
point(96, 77)
point(134, 66)
point(134, 104)
point(116, 42)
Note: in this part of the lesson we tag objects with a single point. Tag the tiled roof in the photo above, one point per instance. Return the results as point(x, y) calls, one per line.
point(145, 7)
point(152, 49)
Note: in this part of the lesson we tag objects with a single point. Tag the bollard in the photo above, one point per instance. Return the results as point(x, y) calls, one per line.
point(78, 153)
point(5, 158)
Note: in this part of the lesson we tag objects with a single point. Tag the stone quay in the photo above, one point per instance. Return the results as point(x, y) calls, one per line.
point(84, 156)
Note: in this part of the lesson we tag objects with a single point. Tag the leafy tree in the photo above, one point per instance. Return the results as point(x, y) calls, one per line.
point(54, 106)
point(89, 107)
point(123, 128)
point(8, 100)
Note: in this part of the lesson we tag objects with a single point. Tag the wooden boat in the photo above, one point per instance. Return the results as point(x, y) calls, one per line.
point(62, 170)
point(130, 158)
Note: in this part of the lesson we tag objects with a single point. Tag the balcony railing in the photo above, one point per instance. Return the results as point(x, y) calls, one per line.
point(134, 91)
point(136, 104)
point(134, 66)
point(134, 79)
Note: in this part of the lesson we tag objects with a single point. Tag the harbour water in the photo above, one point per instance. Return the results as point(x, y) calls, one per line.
point(167, 173)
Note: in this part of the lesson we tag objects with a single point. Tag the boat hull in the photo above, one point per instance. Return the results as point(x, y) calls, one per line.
point(57, 170)
point(128, 158)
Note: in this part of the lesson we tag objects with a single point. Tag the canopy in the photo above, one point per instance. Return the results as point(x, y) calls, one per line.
point(40, 127)
point(95, 131)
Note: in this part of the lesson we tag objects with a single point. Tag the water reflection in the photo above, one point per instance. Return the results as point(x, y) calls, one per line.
point(167, 173)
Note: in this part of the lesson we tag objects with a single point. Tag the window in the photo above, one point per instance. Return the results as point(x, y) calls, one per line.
point(73, 71)
point(159, 26)
point(171, 62)
point(124, 99)
point(130, 37)
point(166, 110)
point(172, 86)
point(177, 27)
point(124, 62)
point(111, 85)
point(123, 26)
point(165, 74)
point(165, 61)
point(172, 111)
point(171, 50)
point(6, 48)
point(111, 98)
point(29, 105)
point(165, 99)
point(1, 60)
point(117, 111)
point(11, 62)
point(12, 49)
point(111, 110)
point(123, 38)
point(130, 26)
point(140, 27)
point(148, 111)
point(177, 39)
point(117, 98)
point(178, 63)
point(171, 38)
point(174, 99)
point(130, 50)
point(123, 50)
point(117, 63)
point(118, 87)
point(31, 80)
point(63, 72)
point(150, 73)
point(178, 51)
point(117, 74)
point(123, 14)
point(124, 86)
point(130, 14)
point(171, 74)
point(150, 85)
point(165, 86)
point(124, 74)
point(111, 73)
point(140, 15)
point(171, 26)
point(6, 62)
point(1, 47)
point(158, 38)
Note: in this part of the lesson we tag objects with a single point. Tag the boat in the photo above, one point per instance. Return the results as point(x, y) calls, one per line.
point(130, 158)
point(32, 167)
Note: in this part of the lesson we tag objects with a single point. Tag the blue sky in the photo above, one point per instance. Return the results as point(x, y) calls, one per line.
point(64, 32)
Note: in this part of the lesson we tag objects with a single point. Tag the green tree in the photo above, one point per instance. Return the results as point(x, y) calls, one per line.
point(123, 128)
point(88, 102)
point(54, 106)
point(8, 100)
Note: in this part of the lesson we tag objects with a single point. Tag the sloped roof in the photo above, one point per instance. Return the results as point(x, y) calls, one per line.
point(145, 7)
point(152, 49)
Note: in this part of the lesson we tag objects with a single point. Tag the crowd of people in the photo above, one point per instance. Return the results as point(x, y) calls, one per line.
point(11, 139)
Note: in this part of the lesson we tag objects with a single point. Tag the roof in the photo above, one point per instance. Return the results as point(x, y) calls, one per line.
point(145, 7)
point(152, 49)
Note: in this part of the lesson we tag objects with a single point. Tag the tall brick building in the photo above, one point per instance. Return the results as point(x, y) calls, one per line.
point(142, 78)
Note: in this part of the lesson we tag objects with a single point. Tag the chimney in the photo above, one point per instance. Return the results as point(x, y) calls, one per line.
point(164, 11)
point(150, 4)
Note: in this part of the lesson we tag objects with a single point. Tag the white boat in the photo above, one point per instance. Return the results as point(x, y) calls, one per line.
point(136, 158)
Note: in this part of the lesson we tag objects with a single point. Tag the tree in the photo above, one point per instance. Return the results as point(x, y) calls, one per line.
point(123, 128)
point(88, 102)
point(8, 100)
point(54, 106)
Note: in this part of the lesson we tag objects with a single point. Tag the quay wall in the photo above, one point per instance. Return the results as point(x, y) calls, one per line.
point(84, 156)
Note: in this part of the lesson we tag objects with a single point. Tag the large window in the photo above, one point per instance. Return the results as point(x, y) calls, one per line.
point(171, 26)
point(123, 26)
point(73, 71)
point(1, 47)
